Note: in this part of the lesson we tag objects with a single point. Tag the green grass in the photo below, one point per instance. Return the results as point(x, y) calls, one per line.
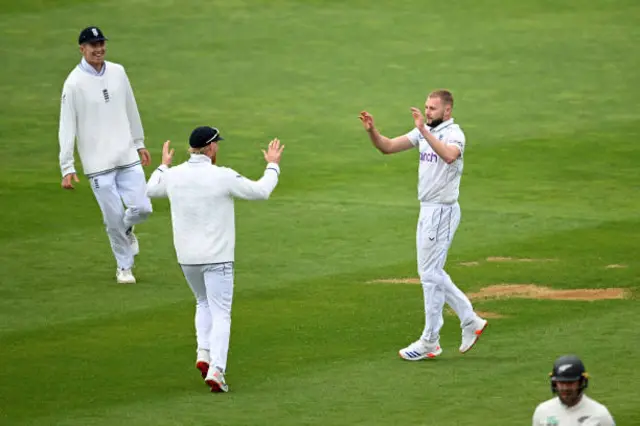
point(547, 94)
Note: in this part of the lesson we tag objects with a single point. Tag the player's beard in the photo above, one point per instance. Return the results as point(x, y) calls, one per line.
point(435, 122)
point(213, 159)
point(570, 398)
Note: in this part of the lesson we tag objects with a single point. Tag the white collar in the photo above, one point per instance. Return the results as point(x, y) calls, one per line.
point(199, 158)
point(86, 67)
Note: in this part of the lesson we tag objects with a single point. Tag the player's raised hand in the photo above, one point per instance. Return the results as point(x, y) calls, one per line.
point(367, 121)
point(418, 118)
point(67, 181)
point(273, 152)
point(167, 153)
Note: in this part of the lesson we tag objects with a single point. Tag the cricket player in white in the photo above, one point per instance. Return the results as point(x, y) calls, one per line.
point(571, 407)
point(99, 111)
point(201, 195)
point(441, 144)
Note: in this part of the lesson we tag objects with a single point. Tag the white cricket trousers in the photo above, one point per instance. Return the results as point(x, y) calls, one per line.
point(437, 225)
point(111, 190)
point(212, 286)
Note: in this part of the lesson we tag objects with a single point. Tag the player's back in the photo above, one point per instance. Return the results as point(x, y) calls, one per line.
point(202, 212)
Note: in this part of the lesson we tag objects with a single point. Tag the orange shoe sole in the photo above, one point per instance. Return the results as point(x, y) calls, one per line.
point(478, 334)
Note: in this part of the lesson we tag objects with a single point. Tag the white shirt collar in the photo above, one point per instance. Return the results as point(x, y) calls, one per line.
point(84, 66)
point(199, 158)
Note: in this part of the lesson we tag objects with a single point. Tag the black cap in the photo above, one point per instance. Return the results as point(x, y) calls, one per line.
point(91, 35)
point(203, 136)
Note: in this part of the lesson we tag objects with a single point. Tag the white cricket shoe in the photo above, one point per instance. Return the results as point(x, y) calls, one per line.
point(133, 241)
point(202, 362)
point(125, 276)
point(420, 350)
point(215, 380)
point(471, 333)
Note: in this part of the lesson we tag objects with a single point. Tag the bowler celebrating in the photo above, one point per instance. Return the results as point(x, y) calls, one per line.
point(441, 144)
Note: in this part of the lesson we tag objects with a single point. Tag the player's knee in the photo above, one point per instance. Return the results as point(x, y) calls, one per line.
point(146, 209)
point(143, 211)
point(144, 214)
point(430, 276)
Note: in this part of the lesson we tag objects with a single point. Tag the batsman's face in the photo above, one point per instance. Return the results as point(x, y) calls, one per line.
point(569, 392)
point(94, 52)
point(434, 109)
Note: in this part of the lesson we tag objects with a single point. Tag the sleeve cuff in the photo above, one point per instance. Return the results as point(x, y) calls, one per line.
point(138, 143)
point(163, 167)
point(68, 170)
point(274, 167)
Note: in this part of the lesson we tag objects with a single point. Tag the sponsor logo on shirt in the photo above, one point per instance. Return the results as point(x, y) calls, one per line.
point(429, 157)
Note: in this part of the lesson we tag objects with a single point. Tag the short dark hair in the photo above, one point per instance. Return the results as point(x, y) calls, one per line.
point(444, 95)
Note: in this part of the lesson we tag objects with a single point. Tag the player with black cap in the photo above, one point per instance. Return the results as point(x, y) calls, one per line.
point(571, 407)
point(99, 112)
point(201, 195)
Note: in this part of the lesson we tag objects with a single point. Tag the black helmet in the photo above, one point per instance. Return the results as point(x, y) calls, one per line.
point(569, 368)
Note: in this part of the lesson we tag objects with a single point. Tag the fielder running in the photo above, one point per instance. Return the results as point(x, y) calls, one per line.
point(440, 143)
point(100, 112)
point(202, 213)
point(571, 407)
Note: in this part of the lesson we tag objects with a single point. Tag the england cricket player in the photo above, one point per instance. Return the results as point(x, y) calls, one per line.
point(440, 143)
point(99, 111)
point(571, 407)
point(201, 196)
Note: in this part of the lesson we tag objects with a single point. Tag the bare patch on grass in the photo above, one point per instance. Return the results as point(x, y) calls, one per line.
point(396, 281)
point(517, 259)
point(529, 291)
point(532, 291)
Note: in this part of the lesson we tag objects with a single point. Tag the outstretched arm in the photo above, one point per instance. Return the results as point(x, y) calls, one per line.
point(246, 189)
point(381, 142)
point(157, 185)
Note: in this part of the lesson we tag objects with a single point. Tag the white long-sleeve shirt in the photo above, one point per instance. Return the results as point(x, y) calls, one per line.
point(587, 412)
point(99, 110)
point(202, 208)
